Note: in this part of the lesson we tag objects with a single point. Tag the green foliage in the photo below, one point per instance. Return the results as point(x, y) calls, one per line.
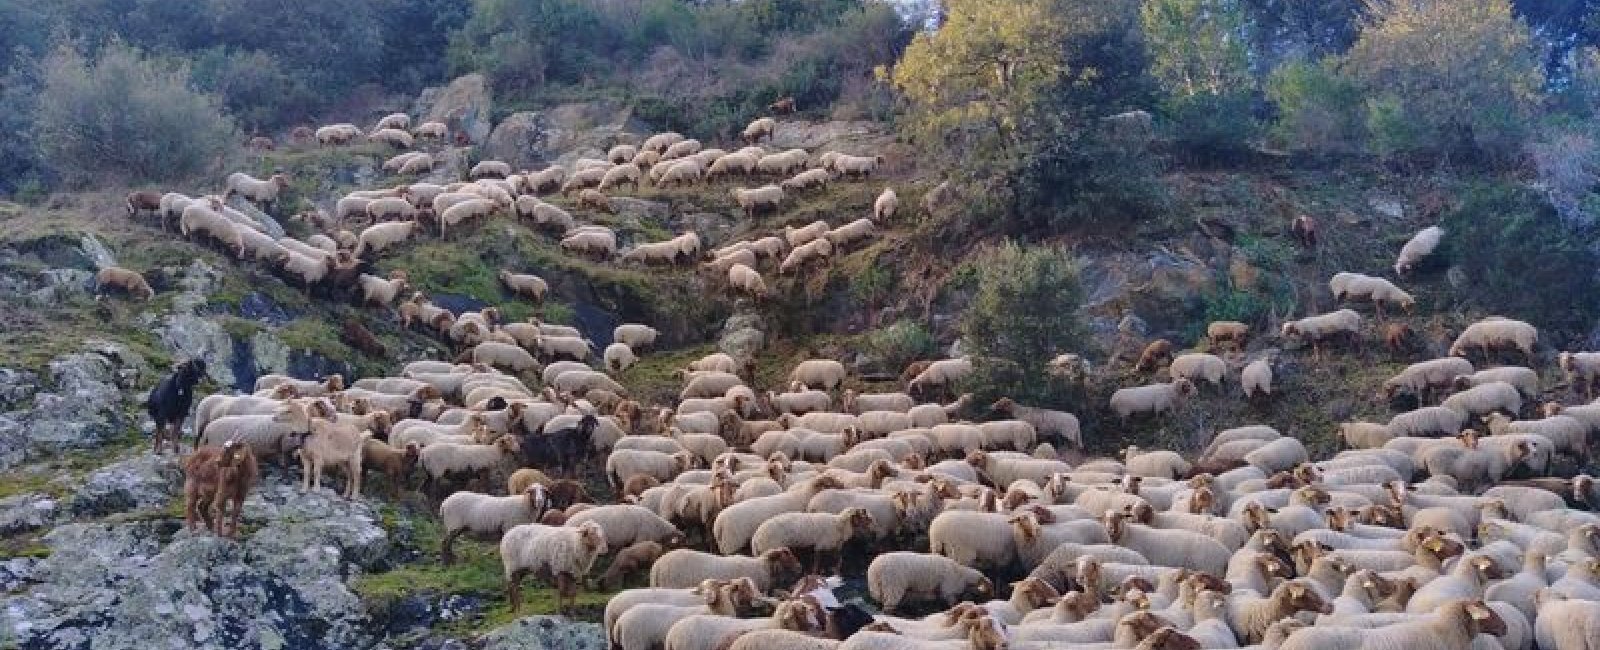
point(1197, 52)
point(258, 90)
point(1023, 313)
point(125, 114)
point(899, 344)
point(1507, 238)
point(1319, 109)
point(1446, 78)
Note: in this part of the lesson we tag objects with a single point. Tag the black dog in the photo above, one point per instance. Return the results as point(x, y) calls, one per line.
point(560, 449)
point(170, 400)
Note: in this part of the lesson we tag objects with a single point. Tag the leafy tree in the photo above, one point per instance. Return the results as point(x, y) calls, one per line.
point(1446, 77)
point(977, 76)
point(1198, 53)
point(1311, 29)
point(124, 115)
point(1319, 109)
point(1023, 313)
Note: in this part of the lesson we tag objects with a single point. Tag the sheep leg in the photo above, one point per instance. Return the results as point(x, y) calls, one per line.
point(446, 552)
point(566, 592)
point(238, 509)
point(355, 479)
point(514, 588)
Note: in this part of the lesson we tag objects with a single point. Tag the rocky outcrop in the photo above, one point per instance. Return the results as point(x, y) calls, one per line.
point(147, 483)
point(533, 139)
point(79, 408)
point(464, 105)
point(128, 585)
point(742, 337)
point(545, 632)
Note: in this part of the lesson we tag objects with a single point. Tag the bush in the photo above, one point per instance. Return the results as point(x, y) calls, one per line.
point(1319, 110)
point(1507, 238)
point(124, 115)
point(1024, 312)
point(899, 344)
point(1211, 127)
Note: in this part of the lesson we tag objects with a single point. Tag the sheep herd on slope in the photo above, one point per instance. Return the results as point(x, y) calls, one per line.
point(1443, 528)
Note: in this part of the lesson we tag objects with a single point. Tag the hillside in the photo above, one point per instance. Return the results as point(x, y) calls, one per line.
point(1094, 199)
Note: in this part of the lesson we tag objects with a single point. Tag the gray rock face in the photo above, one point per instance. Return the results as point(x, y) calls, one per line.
point(465, 105)
point(150, 584)
point(562, 134)
point(80, 409)
point(16, 387)
point(269, 225)
point(146, 482)
point(96, 251)
point(545, 633)
point(25, 512)
point(856, 138)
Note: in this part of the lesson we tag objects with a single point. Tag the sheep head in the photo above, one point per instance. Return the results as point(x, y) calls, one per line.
point(1476, 617)
point(1299, 597)
point(782, 561)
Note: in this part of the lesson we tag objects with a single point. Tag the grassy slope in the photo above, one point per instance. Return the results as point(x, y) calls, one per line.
point(823, 312)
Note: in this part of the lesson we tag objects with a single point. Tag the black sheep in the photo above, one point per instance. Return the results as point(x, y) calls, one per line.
point(170, 400)
point(559, 450)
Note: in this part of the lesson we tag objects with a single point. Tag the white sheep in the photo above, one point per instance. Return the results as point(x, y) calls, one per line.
point(563, 552)
point(1486, 398)
point(601, 242)
point(619, 357)
point(254, 189)
point(970, 538)
point(825, 374)
point(524, 284)
point(1428, 421)
point(625, 524)
point(852, 166)
point(940, 374)
point(443, 460)
point(1256, 378)
point(808, 179)
point(1495, 333)
point(623, 174)
point(851, 233)
point(1419, 247)
point(506, 356)
point(392, 137)
point(819, 249)
point(1365, 435)
point(685, 567)
point(821, 532)
point(1197, 366)
point(332, 444)
point(884, 207)
point(624, 463)
point(1154, 398)
point(805, 234)
point(1419, 378)
point(897, 577)
point(487, 517)
point(747, 280)
point(766, 197)
point(1341, 323)
point(1582, 370)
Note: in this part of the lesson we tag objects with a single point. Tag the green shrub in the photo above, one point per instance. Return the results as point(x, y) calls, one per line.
point(1319, 109)
point(1023, 313)
point(899, 344)
point(124, 115)
point(1507, 238)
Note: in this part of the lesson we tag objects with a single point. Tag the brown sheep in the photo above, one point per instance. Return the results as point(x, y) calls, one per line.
point(783, 106)
point(394, 464)
point(565, 493)
point(262, 143)
point(214, 477)
point(143, 202)
point(638, 483)
point(594, 199)
point(1233, 332)
point(633, 560)
point(1304, 229)
point(1153, 354)
point(553, 517)
point(121, 278)
point(360, 338)
point(301, 134)
point(1398, 337)
point(913, 369)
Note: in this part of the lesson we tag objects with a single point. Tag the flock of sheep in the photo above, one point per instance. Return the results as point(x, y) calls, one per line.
point(1443, 528)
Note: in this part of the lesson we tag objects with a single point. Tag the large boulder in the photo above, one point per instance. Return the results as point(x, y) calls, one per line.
point(126, 585)
point(545, 633)
point(560, 135)
point(80, 408)
point(464, 104)
point(147, 483)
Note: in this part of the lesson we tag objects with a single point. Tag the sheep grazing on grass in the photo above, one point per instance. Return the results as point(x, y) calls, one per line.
point(489, 169)
point(1197, 367)
point(1496, 333)
point(392, 137)
point(782, 106)
point(825, 374)
point(1256, 379)
point(432, 131)
point(1154, 398)
point(1358, 287)
point(940, 374)
point(1234, 333)
point(1582, 370)
point(1318, 329)
point(526, 285)
point(766, 197)
point(215, 477)
point(121, 279)
point(142, 201)
point(375, 238)
point(1153, 354)
point(254, 189)
point(636, 559)
point(337, 134)
point(1419, 247)
point(486, 517)
point(758, 130)
point(168, 403)
point(380, 292)
point(564, 553)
